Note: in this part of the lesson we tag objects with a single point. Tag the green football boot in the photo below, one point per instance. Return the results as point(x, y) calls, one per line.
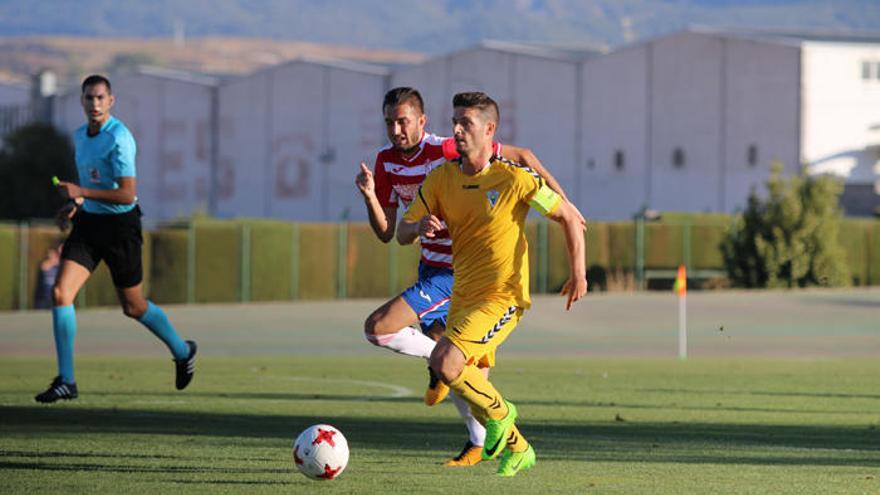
point(496, 433)
point(514, 462)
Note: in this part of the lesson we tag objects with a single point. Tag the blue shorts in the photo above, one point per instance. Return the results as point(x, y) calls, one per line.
point(429, 296)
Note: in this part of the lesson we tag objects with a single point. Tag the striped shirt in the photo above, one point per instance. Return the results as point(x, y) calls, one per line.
point(399, 177)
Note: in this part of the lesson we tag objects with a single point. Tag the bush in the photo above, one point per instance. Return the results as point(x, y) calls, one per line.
point(790, 239)
point(29, 157)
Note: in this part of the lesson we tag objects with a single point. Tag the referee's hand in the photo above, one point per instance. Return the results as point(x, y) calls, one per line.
point(69, 190)
point(65, 213)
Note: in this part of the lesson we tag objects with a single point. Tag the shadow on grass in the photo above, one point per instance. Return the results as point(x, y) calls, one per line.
point(811, 395)
point(622, 441)
point(552, 403)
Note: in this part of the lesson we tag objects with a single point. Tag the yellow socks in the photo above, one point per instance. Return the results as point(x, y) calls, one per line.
point(475, 388)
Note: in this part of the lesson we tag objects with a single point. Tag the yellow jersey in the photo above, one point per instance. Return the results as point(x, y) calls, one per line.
point(485, 214)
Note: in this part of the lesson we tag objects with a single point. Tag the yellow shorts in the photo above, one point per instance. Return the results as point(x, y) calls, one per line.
point(478, 332)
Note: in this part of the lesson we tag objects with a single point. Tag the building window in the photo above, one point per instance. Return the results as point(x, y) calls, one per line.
point(619, 160)
point(752, 155)
point(866, 70)
point(678, 158)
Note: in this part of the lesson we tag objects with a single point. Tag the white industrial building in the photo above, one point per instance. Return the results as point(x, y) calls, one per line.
point(14, 93)
point(292, 136)
point(537, 89)
point(692, 121)
point(172, 115)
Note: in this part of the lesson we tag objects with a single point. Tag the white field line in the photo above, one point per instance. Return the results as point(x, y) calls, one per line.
point(396, 390)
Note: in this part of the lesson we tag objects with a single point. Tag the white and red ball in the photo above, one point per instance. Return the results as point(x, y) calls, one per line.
point(320, 452)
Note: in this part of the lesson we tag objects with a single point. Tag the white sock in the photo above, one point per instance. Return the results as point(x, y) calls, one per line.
point(475, 429)
point(407, 341)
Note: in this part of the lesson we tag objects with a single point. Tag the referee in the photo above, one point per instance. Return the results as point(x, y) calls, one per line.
point(106, 226)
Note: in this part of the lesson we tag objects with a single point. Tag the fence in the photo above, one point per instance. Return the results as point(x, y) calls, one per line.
point(264, 260)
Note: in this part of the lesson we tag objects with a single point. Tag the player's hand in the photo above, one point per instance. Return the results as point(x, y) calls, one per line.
point(429, 225)
point(365, 182)
point(69, 190)
point(575, 288)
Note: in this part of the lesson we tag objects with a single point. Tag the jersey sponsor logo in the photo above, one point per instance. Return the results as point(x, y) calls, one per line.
point(492, 195)
point(470, 186)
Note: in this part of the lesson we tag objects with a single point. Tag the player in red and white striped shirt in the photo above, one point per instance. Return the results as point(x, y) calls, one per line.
point(399, 170)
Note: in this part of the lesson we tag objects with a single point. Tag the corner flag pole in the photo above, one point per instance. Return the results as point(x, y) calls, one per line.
point(680, 289)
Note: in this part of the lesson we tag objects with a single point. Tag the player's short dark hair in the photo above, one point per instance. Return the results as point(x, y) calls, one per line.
point(96, 79)
point(401, 95)
point(480, 101)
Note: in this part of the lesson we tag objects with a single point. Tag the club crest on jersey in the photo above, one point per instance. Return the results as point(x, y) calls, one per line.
point(492, 195)
point(94, 175)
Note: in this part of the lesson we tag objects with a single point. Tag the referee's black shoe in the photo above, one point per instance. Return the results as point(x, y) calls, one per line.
point(186, 367)
point(58, 390)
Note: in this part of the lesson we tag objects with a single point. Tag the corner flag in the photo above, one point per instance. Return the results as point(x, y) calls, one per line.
point(680, 286)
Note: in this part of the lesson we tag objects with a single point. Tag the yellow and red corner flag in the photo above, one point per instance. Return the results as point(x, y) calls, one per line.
point(681, 283)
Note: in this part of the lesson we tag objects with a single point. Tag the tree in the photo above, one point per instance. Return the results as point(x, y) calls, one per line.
point(29, 157)
point(789, 239)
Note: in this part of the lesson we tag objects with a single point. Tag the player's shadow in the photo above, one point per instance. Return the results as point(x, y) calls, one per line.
point(619, 439)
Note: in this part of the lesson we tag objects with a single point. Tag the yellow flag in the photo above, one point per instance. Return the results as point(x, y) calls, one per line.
point(681, 283)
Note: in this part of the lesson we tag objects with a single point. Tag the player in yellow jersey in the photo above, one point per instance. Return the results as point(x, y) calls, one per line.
point(484, 201)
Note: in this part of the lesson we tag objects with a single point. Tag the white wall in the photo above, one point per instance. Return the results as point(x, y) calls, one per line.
point(536, 96)
point(14, 94)
point(614, 116)
point(710, 95)
point(762, 100)
point(291, 140)
point(839, 110)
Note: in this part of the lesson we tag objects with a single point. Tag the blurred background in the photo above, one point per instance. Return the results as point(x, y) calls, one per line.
point(738, 138)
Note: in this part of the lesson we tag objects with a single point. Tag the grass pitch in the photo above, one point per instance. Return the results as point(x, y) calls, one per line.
point(600, 424)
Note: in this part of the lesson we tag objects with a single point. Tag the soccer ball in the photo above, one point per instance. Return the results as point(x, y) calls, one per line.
point(320, 452)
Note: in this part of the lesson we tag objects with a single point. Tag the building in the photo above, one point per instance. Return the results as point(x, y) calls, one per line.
point(292, 137)
point(694, 120)
point(537, 89)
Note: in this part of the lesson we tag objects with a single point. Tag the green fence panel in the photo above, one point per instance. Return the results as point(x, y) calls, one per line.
point(367, 263)
point(853, 238)
point(168, 266)
point(218, 262)
point(531, 228)
point(317, 272)
point(596, 238)
point(621, 245)
point(270, 261)
point(8, 267)
point(873, 243)
point(558, 268)
point(99, 289)
point(706, 246)
point(664, 247)
point(407, 269)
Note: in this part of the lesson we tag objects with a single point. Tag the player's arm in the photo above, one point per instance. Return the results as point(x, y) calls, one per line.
point(382, 219)
point(526, 157)
point(551, 205)
point(125, 194)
